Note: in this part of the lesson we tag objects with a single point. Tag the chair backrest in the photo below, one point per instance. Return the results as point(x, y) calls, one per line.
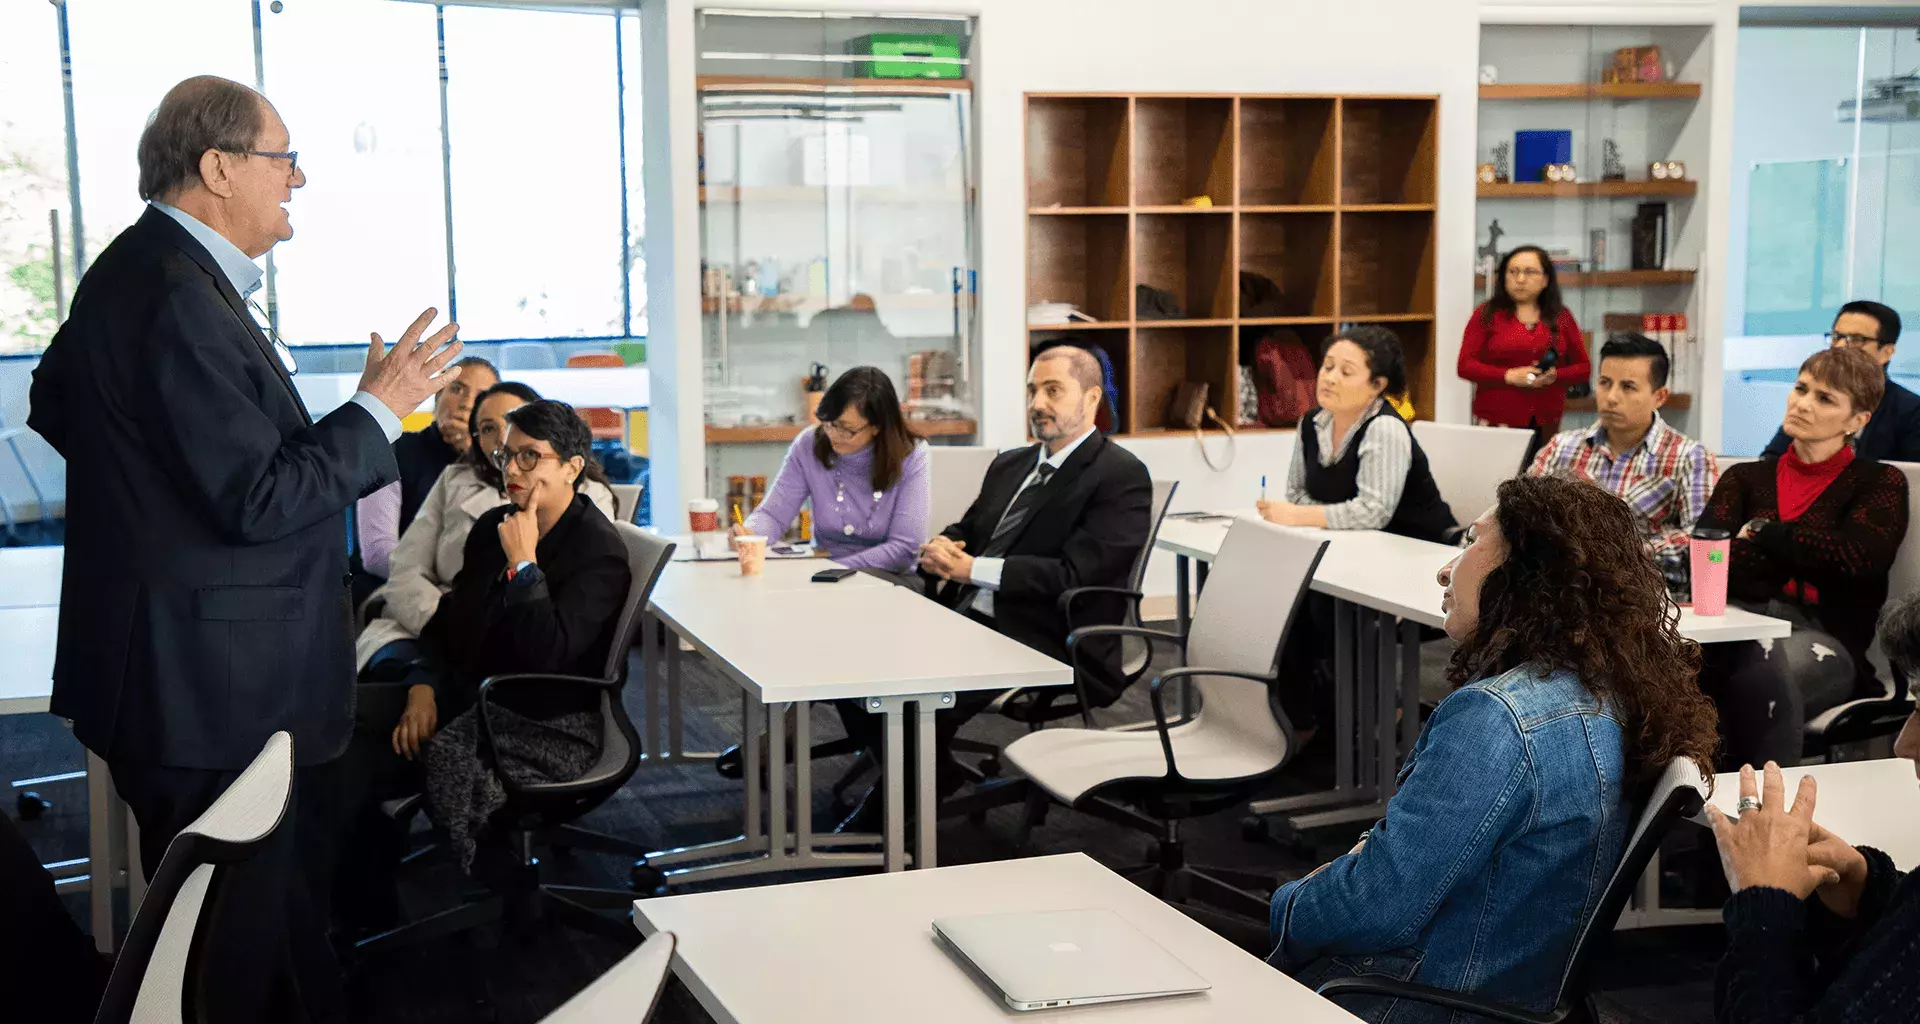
point(1726, 462)
point(1250, 601)
point(1678, 794)
point(1162, 497)
point(1469, 463)
point(626, 500)
point(957, 471)
point(159, 975)
point(627, 992)
point(1905, 577)
point(595, 359)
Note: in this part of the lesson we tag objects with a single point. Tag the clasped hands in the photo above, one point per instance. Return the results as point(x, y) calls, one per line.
point(1531, 377)
point(1771, 845)
point(947, 559)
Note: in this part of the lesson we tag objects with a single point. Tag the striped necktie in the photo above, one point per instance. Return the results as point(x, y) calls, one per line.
point(1023, 505)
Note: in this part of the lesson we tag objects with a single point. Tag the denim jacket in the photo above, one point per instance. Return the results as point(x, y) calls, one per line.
point(1508, 821)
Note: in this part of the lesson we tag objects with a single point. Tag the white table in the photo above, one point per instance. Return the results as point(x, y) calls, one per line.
point(1867, 803)
point(616, 387)
point(861, 949)
point(28, 637)
point(790, 643)
point(30, 577)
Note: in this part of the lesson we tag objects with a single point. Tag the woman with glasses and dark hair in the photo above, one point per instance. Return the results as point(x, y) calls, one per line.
point(1522, 348)
point(865, 472)
point(539, 590)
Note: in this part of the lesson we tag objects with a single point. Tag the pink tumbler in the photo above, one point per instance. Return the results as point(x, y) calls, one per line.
point(1709, 551)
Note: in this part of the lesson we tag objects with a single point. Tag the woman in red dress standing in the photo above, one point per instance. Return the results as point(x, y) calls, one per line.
point(1505, 349)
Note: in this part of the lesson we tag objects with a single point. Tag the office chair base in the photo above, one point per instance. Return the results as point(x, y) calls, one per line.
point(439, 925)
point(1215, 888)
point(563, 839)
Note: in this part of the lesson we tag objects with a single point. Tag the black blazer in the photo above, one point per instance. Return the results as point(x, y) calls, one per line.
point(563, 623)
point(205, 595)
point(1086, 533)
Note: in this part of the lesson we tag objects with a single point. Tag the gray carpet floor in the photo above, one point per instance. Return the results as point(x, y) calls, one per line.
point(1662, 976)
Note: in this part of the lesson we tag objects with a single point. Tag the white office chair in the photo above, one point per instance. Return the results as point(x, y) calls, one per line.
point(626, 501)
point(957, 471)
point(1216, 760)
point(1870, 718)
point(160, 974)
point(1468, 462)
point(12, 436)
point(627, 992)
point(1680, 793)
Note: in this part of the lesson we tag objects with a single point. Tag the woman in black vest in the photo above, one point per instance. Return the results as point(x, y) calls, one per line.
point(1356, 465)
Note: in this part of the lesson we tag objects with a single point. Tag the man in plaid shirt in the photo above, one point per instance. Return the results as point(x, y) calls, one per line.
point(1661, 474)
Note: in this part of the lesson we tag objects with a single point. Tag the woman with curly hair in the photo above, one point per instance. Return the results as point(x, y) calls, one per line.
point(1573, 691)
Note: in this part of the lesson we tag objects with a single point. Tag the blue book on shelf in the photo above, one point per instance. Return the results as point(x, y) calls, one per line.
point(1533, 151)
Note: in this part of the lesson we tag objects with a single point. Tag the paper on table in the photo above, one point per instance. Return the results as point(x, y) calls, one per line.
point(1867, 803)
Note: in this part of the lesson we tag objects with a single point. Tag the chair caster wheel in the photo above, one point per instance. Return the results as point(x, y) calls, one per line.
point(647, 879)
point(31, 806)
point(1253, 829)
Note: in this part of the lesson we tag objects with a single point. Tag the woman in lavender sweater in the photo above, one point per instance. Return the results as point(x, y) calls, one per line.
point(864, 470)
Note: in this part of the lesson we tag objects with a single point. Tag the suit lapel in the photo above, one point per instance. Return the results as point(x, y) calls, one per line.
point(186, 243)
point(1057, 484)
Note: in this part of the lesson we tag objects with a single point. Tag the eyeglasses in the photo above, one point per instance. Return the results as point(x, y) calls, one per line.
point(525, 458)
point(1850, 340)
point(280, 348)
point(1525, 272)
point(834, 429)
point(292, 157)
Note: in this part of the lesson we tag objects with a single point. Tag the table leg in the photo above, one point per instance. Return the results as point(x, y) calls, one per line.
point(136, 875)
point(100, 822)
point(676, 740)
point(1409, 687)
point(802, 781)
point(1182, 599)
point(927, 806)
point(893, 766)
point(1351, 797)
point(1387, 689)
point(1343, 671)
point(750, 723)
point(1366, 694)
point(776, 779)
point(660, 674)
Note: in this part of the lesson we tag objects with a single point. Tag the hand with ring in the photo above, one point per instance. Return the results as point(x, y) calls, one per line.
point(1768, 844)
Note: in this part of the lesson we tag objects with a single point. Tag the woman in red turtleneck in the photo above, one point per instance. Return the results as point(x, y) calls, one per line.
point(1504, 349)
point(1815, 534)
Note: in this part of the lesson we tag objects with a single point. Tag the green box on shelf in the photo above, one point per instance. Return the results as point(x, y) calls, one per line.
point(633, 353)
point(906, 44)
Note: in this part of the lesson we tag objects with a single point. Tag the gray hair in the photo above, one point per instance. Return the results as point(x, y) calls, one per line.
point(197, 115)
point(1081, 365)
point(1900, 633)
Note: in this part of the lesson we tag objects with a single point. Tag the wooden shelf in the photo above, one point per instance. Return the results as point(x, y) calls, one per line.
point(1679, 400)
point(788, 431)
point(1333, 198)
point(781, 83)
point(1584, 189)
point(1614, 279)
point(818, 194)
point(1593, 90)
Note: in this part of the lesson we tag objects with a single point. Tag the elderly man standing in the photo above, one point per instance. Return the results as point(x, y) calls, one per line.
point(204, 603)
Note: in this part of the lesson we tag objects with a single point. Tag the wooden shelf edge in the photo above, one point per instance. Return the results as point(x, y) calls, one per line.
point(1386, 207)
point(1592, 90)
point(1183, 208)
point(1584, 189)
point(1615, 279)
point(1285, 321)
point(1299, 208)
point(1387, 318)
point(1679, 400)
point(1083, 325)
point(1153, 325)
point(788, 431)
point(1076, 211)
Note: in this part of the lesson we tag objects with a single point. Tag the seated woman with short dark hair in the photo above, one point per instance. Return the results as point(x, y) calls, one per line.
point(540, 590)
point(1815, 532)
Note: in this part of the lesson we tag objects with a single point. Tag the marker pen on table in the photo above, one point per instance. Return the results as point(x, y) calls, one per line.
point(1263, 487)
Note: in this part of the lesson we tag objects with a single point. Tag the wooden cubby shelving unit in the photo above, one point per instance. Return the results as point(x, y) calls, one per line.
point(1332, 197)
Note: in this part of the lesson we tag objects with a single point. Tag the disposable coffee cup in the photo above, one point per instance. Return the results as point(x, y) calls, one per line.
point(753, 554)
point(703, 520)
point(1709, 550)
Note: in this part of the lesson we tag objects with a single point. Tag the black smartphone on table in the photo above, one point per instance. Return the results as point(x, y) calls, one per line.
point(834, 575)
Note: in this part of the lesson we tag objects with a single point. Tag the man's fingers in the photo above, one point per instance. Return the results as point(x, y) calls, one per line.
point(376, 349)
point(1773, 789)
point(1803, 801)
point(442, 348)
point(411, 336)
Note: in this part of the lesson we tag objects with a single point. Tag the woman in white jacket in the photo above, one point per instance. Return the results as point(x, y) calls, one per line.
point(428, 555)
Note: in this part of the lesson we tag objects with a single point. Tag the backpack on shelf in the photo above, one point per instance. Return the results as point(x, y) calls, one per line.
point(1283, 375)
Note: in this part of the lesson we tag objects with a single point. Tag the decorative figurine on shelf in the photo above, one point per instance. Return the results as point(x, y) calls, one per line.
point(1487, 257)
point(1489, 75)
point(1502, 155)
point(1485, 174)
point(1611, 167)
point(1563, 174)
point(1667, 170)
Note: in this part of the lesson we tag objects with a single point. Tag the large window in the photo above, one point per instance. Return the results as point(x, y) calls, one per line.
point(480, 159)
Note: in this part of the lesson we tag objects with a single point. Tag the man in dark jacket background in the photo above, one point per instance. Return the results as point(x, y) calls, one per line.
point(1893, 434)
point(205, 593)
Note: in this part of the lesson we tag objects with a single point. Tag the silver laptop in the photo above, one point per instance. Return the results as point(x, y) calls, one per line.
point(1036, 960)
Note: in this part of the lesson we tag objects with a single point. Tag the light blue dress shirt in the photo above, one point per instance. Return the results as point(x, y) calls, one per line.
point(245, 275)
point(986, 571)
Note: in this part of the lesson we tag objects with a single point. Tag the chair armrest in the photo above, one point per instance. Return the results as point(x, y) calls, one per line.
point(1073, 656)
point(1375, 986)
point(1067, 598)
point(483, 705)
point(1160, 709)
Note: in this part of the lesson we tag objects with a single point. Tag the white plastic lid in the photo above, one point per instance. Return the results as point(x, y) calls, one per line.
point(703, 505)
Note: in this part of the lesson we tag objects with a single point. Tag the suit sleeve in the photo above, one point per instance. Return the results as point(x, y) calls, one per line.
point(1112, 529)
point(204, 424)
point(47, 399)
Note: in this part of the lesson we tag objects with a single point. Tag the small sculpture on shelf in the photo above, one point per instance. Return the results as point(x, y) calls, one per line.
point(1611, 166)
point(1487, 257)
point(1485, 174)
point(1502, 157)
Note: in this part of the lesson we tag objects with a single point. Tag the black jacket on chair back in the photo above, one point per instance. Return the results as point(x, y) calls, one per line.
point(204, 602)
point(1086, 532)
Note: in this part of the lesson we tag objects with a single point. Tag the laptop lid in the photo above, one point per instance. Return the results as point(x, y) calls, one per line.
point(1049, 958)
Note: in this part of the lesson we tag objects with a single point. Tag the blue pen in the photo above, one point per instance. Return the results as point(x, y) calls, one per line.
point(1263, 487)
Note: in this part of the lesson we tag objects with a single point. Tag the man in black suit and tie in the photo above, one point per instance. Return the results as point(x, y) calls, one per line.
point(1071, 511)
point(205, 592)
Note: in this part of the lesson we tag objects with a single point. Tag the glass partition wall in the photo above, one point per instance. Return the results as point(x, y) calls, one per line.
point(837, 221)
